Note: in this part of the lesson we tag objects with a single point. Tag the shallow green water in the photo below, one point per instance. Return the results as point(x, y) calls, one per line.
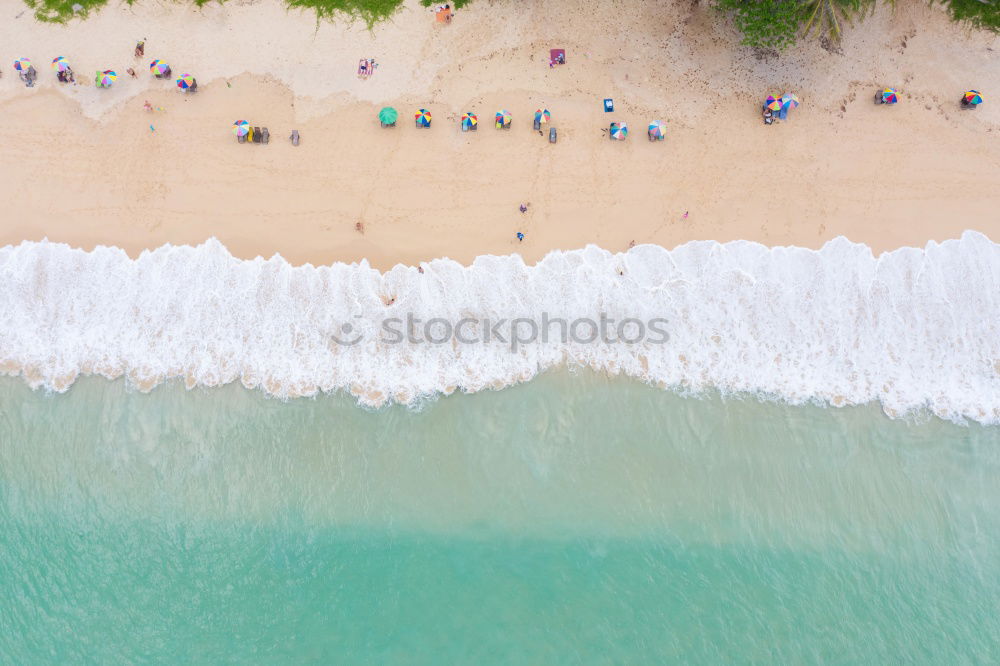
point(568, 520)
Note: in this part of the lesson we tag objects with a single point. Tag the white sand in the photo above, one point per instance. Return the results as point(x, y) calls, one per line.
point(81, 165)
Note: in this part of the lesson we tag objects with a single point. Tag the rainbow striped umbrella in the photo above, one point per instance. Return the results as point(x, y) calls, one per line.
point(423, 117)
point(619, 131)
point(772, 103)
point(158, 67)
point(241, 127)
point(889, 96)
point(60, 64)
point(106, 78)
point(543, 116)
point(656, 130)
point(469, 120)
point(789, 101)
point(22, 64)
point(503, 118)
point(184, 81)
point(973, 97)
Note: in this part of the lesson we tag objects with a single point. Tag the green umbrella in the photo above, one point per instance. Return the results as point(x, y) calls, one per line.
point(388, 116)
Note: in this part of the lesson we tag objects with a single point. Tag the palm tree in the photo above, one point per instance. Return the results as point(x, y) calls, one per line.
point(827, 16)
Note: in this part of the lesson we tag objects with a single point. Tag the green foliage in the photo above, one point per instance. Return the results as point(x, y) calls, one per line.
point(766, 24)
point(457, 4)
point(60, 11)
point(980, 13)
point(369, 11)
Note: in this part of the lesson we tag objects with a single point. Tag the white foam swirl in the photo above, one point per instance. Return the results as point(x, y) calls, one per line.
point(911, 328)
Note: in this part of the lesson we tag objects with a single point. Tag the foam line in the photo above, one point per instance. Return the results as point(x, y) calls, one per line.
point(912, 329)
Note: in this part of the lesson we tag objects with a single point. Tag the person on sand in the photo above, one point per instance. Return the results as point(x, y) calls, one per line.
point(524, 208)
point(520, 237)
point(149, 107)
point(362, 68)
point(131, 72)
point(194, 85)
point(140, 48)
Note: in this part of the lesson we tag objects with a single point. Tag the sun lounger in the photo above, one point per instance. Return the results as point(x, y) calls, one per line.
point(295, 137)
point(265, 136)
point(552, 135)
point(256, 134)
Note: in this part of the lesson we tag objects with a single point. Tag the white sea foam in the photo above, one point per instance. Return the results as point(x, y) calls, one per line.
point(913, 328)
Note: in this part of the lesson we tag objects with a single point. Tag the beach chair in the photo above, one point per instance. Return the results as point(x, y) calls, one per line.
point(256, 135)
point(241, 139)
point(552, 135)
point(295, 137)
point(265, 136)
point(538, 125)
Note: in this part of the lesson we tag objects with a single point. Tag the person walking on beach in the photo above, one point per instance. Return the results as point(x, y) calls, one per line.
point(520, 237)
point(524, 208)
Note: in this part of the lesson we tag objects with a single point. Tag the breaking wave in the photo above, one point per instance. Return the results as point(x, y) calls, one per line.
point(913, 329)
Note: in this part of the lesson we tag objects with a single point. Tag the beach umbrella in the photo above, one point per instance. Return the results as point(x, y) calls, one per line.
point(184, 82)
point(543, 116)
point(388, 116)
point(973, 97)
point(789, 101)
point(158, 67)
point(772, 103)
point(469, 120)
point(656, 129)
point(22, 64)
point(241, 127)
point(619, 131)
point(106, 78)
point(60, 64)
point(889, 96)
point(503, 118)
point(423, 117)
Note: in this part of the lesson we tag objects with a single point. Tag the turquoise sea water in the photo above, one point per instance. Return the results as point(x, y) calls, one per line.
point(572, 519)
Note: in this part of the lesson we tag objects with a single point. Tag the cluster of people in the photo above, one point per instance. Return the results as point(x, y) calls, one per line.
point(66, 75)
point(366, 67)
point(28, 76)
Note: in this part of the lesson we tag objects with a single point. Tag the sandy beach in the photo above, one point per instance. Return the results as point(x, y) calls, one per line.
point(82, 166)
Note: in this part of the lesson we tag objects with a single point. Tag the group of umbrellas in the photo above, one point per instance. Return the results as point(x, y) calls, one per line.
point(469, 121)
point(969, 97)
point(655, 131)
point(783, 103)
point(105, 78)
